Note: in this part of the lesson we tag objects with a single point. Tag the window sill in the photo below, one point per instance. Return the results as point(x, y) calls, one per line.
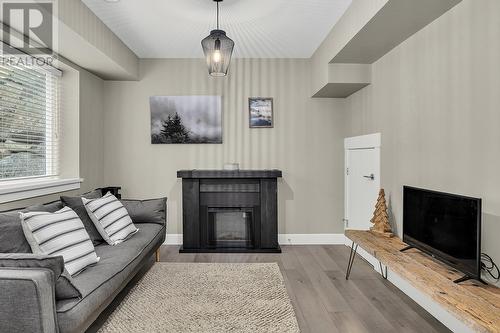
point(30, 188)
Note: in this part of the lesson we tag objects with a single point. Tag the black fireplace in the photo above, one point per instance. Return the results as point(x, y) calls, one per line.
point(230, 211)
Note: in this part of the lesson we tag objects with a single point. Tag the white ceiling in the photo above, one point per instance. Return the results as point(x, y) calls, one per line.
point(259, 28)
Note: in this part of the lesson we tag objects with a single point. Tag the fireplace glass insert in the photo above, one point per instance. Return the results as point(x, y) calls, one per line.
point(230, 227)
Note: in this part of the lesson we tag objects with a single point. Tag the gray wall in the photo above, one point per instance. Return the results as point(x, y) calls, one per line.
point(436, 101)
point(306, 142)
point(91, 131)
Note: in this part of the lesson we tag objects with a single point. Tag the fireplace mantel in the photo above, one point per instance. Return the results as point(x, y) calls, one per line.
point(230, 211)
point(229, 173)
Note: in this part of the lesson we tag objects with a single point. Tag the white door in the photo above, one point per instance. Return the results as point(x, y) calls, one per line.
point(362, 186)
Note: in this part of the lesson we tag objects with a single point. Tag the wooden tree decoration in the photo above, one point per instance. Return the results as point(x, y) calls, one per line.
point(380, 218)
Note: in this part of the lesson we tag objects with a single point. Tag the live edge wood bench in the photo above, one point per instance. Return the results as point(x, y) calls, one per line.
point(475, 304)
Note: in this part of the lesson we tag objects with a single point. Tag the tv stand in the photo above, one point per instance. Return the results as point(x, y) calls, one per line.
point(473, 303)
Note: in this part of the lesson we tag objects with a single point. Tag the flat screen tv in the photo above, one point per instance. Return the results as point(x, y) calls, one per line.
point(446, 226)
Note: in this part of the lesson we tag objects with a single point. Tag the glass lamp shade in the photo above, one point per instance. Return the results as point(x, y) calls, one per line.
point(218, 49)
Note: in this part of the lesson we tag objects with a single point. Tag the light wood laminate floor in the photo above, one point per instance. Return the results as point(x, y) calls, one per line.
point(323, 300)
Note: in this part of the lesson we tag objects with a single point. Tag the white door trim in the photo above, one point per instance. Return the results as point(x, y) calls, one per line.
point(363, 141)
point(369, 141)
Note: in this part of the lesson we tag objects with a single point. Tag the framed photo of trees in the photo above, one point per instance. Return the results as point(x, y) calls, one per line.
point(186, 119)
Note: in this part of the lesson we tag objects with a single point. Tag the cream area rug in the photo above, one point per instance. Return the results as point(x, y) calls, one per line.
point(196, 297)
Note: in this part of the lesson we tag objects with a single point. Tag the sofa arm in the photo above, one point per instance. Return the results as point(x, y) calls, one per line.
point(27, 300)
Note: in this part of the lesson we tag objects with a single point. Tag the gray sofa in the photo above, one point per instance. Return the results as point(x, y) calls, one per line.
point(27, 295)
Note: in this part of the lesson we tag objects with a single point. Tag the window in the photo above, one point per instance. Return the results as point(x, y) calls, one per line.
point(28, 121)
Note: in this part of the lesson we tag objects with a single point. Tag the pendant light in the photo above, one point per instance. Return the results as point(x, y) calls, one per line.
point(218, 49)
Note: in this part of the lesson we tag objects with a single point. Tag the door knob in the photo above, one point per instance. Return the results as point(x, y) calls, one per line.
point(371, 176)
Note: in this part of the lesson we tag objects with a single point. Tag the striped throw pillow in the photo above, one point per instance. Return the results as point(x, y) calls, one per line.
point(60, 234)
point(111, 219)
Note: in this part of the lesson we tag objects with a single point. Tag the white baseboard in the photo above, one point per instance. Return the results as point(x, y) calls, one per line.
point(311, 239)
point(284, 239)
point(173, 239)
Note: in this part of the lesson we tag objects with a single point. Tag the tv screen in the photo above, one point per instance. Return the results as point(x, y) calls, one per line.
point(447, 226)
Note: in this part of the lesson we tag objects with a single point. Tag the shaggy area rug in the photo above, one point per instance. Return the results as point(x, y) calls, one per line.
point(196, 297)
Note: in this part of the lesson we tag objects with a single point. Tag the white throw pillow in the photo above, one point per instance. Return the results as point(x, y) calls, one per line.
point(111, 219)
point(60, 234)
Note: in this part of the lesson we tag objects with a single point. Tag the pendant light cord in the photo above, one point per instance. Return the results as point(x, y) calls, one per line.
point(217, 15)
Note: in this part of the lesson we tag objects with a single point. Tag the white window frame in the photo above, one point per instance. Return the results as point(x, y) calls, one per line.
point(13, 190)
point(30, 187)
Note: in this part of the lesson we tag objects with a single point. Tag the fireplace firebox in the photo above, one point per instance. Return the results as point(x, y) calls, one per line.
point(230, 228)
point(230, 211)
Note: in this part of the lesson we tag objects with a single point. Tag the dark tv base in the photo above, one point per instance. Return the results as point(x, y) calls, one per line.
point(406, 248)
point(462, 279)
point(467, 277)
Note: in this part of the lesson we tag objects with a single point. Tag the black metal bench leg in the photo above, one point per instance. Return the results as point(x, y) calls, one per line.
point(384, 274)
point(352, 255)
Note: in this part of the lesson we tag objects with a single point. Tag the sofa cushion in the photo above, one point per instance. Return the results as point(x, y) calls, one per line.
point(12, 239)
point(64, 283)
point(60, 233)
point(114, 259)
point(146, 211)
point(46, 207)
point(101, 283)
point(76, 204)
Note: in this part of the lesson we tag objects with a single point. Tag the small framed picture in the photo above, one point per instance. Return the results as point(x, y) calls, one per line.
point(260, 110)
